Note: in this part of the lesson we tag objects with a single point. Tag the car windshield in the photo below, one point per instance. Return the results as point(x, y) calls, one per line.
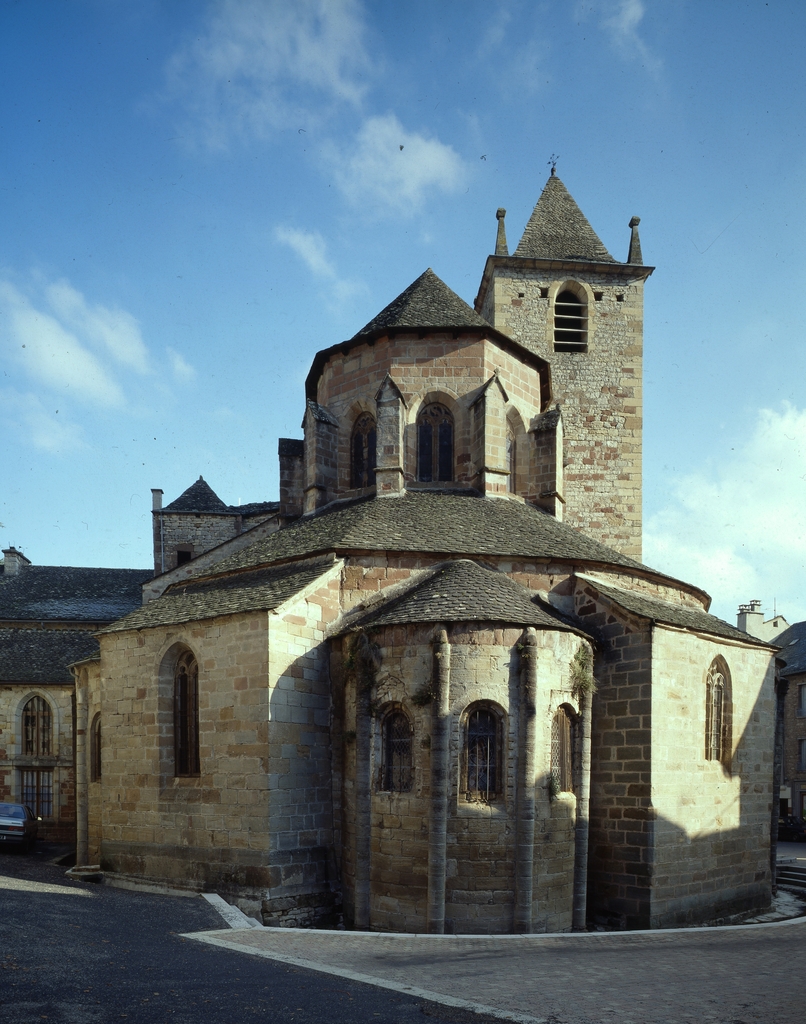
point(12, 811)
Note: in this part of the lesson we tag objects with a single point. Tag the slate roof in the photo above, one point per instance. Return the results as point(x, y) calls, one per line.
point(68, 594)
point(260, 589)
point(42, 655)
point(793, 649)
point(559, 230)
point(463, 591)
point(200, 497)
point(428, 521)
point(427, 302)
point(656, 610)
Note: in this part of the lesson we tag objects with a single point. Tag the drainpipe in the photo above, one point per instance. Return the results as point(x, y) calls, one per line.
point(440, 776)
point(82, 801)
point(525, 822)
point(581, 832)
point(781, 688)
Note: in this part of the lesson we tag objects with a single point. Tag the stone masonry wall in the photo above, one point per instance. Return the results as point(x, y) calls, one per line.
point(598, 390)
point(712, 820)
point(794, 733)
point(196, 531)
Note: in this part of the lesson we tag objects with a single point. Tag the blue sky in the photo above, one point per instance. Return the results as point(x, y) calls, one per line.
point(196, 197)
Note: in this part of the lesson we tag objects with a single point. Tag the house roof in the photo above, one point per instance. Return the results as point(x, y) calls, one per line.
point(189, 601)
point(42, 655)
point(793, 649)
point(559, 230)
point(200, 497)
point(70, 594)
point(657, 610)
point(433, 522)
point(463, 591)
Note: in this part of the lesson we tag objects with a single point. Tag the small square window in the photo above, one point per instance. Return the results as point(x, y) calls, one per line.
point(544, 293)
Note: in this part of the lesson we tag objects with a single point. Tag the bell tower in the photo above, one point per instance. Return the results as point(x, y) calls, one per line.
point(562, 295)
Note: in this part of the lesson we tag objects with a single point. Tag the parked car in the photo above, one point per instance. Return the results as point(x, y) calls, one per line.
point(791, 829)
point(18, 826)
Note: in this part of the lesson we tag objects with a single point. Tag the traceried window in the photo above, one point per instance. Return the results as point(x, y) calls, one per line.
point(362, 452)
point(37, 790)
point(186, 715)
point(95, 749)
point(434, 444)
point(396, 772)
point(37, 728)
point(570, 323)
point(717, 712)
point(482, 754)
point(562, 752)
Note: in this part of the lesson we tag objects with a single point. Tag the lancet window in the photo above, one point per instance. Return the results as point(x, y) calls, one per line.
point(362, 449)
point(186, 715)
point(434, 444)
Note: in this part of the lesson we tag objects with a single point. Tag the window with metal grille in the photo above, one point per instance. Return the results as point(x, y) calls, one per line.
point(95, 749)
point(37, 790)
point(362, 469)
point(562, 747)
point(37, 727)
point(186, 715)
point(715, 712)
point(434, 444)
point(482, 753)
point(570, 323)
point(397, 767)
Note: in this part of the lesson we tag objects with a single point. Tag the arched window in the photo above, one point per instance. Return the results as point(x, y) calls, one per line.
point(482, 754)
point(95, 749)
point(434, 444)
point(717, 712)
point(362, 452)
point(570, 323)
point(37, 727)
point(562, 748)
point(396, 772)
point(512, 480)
point(186, 715)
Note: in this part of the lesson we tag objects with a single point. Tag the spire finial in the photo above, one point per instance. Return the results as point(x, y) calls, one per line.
point(635, 257)
point(501, 248)
point(552, 162)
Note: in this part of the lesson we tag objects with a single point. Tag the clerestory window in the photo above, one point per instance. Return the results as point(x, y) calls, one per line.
point(570, 323)
point(434, 444)
point(362, 452)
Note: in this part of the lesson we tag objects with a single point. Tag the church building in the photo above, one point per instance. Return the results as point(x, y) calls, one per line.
point(434, 687)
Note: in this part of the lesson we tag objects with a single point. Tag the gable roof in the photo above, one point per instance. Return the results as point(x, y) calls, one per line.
point(42, 655)
point(793, 649)
point(657, 610)
point(559, 230)
point(70, 594)
point(463, 591)
point(195, 599)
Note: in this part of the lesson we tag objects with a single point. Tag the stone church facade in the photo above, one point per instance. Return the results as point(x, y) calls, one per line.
point(434, 687)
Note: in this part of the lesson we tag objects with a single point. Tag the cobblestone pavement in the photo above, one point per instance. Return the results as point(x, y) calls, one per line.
point(722, 976)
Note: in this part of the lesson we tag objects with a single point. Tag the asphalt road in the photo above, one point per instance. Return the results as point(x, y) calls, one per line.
point(76, 953)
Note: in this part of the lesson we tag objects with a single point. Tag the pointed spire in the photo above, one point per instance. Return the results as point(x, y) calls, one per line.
point(559, 230)
point(501, 248)
point(635, 256)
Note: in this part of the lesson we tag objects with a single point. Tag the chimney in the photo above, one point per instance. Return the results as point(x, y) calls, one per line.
point(750, 619)
point(156, 499)
point(13, 561)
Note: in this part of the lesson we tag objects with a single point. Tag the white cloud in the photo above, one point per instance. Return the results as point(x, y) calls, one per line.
point(259, 66)
point(391, 168)
point(622, 23)
point(48, 430)
point(739, 529)
point(310, 247)
point(182, 369)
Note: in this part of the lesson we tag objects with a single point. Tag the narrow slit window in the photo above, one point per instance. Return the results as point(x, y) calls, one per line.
point(562, 752)
point(186, 715)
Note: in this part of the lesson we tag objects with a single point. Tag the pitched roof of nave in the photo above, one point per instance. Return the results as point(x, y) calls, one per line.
point(42, 655)
point(70, 594)
point(665, 613)
point(200, 497)
point(259, 589)
point(463, 591)
point(559, 230)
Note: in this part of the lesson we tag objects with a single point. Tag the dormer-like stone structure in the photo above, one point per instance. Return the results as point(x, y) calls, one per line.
point(564, 297)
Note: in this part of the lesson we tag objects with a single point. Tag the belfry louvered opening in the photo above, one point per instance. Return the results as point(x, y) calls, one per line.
point(570, 323)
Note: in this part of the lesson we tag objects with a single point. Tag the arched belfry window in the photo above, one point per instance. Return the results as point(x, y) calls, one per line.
point(434, 444)
point(362, 452)
point(186, 715)
point(562, 751)
point(396, 770)
point(717, 712)
point(37, 728)
point(570, 323)
point(482, 754)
